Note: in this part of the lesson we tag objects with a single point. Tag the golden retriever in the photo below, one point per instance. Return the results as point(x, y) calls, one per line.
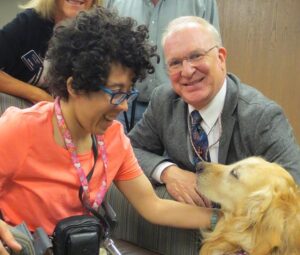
point(261, 206)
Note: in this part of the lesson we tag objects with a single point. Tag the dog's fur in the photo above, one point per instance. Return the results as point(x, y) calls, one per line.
point(261, 206)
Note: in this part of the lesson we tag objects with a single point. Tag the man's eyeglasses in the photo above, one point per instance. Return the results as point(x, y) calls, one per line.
point(195, 58)
point(119, 97)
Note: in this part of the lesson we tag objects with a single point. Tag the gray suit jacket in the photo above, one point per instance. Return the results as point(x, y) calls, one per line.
point(251, 125)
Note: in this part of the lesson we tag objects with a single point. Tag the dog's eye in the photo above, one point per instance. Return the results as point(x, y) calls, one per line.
point(234, 173)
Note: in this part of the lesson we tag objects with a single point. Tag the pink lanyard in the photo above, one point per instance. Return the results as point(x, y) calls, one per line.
point(72, 150)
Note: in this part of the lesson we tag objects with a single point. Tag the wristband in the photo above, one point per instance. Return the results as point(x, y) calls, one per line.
point(214, 219)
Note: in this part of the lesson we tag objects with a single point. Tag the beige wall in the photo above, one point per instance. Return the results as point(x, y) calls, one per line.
point(8, 10)
point(263, 42)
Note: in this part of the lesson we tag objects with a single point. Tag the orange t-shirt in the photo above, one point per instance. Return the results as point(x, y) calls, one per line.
point(38, 182)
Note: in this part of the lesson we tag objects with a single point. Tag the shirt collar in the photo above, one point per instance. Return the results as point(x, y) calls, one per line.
point(213, 110)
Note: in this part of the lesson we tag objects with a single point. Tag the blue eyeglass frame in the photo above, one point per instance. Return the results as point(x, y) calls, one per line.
point(129, 96)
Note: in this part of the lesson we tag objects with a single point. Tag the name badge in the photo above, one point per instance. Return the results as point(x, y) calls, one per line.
point(32, 60)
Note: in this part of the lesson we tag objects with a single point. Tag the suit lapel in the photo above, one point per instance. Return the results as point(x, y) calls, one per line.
point(225, 140)
point(228, 118)
point(181, 137)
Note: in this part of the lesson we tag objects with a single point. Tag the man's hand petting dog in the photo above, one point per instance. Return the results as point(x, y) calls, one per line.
point(182, 186)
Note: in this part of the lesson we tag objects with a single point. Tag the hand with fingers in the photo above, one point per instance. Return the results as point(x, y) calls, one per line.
point(181, 185)
point(7, 240)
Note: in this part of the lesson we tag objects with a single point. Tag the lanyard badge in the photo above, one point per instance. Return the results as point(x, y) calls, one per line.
point(71, 147)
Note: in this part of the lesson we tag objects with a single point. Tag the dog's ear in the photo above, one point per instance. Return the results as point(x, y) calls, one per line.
point(253, 208)
point(268, 230)
point(269, 208)
point(258, 202)
point(261, 221)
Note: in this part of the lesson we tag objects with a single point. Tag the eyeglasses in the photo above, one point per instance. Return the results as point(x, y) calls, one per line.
point(119, 96)
point(175, 65)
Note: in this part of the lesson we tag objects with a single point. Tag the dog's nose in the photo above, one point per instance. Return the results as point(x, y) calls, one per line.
point(199, 167)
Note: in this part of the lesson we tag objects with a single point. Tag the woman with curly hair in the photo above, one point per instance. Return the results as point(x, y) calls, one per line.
point(94, 59)
point(23, 43)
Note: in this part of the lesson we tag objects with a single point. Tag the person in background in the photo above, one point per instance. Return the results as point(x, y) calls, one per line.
point(156, 14)
point(237, 119)
point(23, 44)
point(46, 152)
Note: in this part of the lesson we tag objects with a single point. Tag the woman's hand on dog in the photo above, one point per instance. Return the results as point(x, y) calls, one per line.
point(7, 238)
point(182, 186)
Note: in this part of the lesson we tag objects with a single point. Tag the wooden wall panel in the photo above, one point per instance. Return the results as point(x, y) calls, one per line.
point(263, 42)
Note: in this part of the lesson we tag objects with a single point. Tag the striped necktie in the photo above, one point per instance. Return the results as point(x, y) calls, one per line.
point(199, 138)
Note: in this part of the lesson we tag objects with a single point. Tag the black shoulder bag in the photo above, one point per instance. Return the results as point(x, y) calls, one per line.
point(82, 234)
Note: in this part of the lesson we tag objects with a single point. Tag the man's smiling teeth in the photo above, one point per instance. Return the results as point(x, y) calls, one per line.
point(194, 82)
point(80, 2)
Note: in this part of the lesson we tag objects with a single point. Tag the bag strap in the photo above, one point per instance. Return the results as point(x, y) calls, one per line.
point(130, 123)
point(90, 174)
point(102, 220)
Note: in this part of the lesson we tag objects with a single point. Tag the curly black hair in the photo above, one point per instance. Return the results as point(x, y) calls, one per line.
point(86, 46)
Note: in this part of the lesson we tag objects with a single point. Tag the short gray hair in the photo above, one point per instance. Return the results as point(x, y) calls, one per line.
point(181, 22)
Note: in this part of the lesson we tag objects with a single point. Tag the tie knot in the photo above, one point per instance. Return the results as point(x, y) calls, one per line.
point(196, 117)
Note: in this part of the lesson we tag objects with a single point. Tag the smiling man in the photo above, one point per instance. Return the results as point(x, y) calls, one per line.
point(156, 14)
point(238, 120)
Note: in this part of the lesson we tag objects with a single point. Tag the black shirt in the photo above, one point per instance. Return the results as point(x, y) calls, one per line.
point(27, 31)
